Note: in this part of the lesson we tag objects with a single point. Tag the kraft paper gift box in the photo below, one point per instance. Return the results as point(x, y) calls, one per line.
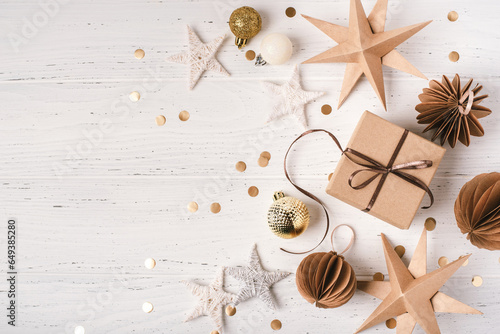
point(398, 199)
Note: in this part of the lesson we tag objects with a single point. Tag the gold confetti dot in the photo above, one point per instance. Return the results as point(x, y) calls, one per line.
point(326, 109)
point(150, 263)
point(452, 16)
point(160, 120)
point(430, 224)
point(466, 261)
point(454, 56)
point(391, 323)
point(400, 250)
point(477, 281)
point(215, 207)
point(443, 261)
point(134, 96)
point(139, 53)
point(266, 155)
point(241, 166)
point(230, 311)
point(250, 55)
point(378, 277)
point(263, 162)
point(290, 12)
point(184, 115)
point(276, 324)
point(192, 206)
point(147, 307)
point(330, 176)
point(253, 191)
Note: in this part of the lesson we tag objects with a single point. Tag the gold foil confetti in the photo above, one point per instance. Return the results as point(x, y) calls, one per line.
point(134, 96)
point(253, 191)
point(391, 323)
point(241, 166)
point(139, 53)
point(443, 261)
point(160, 120)
point(215, 207)
point(454, 56)
point(230, 311)
point(326, 109)
point(250, 55)
point(477, 281)
point(452, 16)
point(430, 224)
point(276, 324)
point(192, 206)
point(263, 162)
point(378, 277)
point(400, 250)
point(184, 115)
point(266, 155)
point(150, 263)
point(147, 307)
point(290, 12)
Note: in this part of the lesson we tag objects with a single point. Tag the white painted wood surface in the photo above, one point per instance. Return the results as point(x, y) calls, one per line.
point(88, 220)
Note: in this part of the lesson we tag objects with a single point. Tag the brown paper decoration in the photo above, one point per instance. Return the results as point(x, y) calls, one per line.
point(451, 110)
point(477, 210)
point(327, 279)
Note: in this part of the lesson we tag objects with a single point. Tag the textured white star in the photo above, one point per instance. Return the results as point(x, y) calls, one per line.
point(200, 57)
point(290, 98)
point(256, 281)
point(212, 299)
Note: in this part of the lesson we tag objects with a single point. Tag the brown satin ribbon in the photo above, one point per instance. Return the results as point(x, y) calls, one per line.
point(371, 166)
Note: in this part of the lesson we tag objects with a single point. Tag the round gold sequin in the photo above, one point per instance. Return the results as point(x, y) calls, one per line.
point(266, 155)
point(230, 311)
point(263, 162)
point(192, 206)
point(330, 176)
point(378, 277)
point(139, 53)
point(147, 307)
point(290, 12)
point(477, 281)
point(253, 191)
point(241, 166)
point(250, 55)
point(452, 16)
point(391, 323)
point(160, 120)
point(454, 56)
point(134, 96)
point(276, 324)
point(184, 115)
point(326, 109)
point(430, 224)
point(443, 261)
point(150, 263)
point(215, 207)
point(400, 250)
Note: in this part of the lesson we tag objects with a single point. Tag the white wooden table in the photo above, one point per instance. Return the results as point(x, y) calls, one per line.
point(97, 187)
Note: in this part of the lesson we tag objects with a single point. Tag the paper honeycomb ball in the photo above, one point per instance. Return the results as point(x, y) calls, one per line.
point(287, 217)
point(477, 210)
point(326, 280)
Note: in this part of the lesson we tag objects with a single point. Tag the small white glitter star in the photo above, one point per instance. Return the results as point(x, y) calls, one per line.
point(290, 98)
point(212, 299)
point(200, 57)
point(256, 281)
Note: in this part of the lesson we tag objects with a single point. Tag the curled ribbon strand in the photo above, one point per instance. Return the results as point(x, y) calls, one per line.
point(371, 166)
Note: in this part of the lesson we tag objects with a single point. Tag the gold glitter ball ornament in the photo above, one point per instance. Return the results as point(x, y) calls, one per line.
point(245, 22)
point(287, 217)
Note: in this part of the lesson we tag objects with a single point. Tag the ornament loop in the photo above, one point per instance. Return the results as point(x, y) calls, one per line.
point(470, 102)
point(351, 242)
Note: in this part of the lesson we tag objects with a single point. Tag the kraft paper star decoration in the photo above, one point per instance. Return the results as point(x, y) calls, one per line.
point(256, 281)
point(211, 300)
point(200, 57)
point(412, 295)
point(290, 98)
point(365, 47)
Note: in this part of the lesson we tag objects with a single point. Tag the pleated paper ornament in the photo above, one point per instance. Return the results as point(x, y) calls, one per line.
point(477, 210)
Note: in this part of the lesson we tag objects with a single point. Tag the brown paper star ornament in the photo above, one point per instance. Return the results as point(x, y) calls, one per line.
point(365, 47)
point(412, 295)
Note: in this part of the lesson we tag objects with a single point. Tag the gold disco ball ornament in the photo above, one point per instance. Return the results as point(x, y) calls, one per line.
point(245, 23)
point(287, 217)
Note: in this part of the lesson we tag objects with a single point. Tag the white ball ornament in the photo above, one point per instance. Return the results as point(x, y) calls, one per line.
point(276, 49)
